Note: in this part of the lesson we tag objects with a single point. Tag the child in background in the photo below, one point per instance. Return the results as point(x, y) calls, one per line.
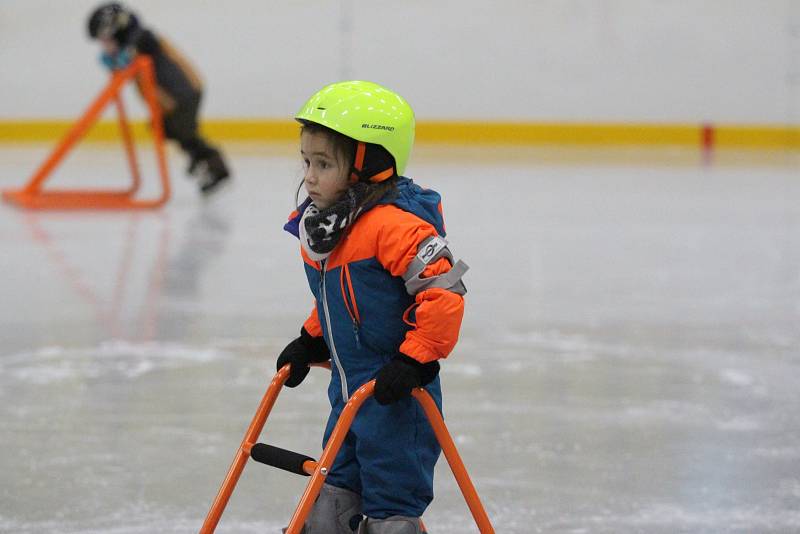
point(179, 87)
point(388, 304)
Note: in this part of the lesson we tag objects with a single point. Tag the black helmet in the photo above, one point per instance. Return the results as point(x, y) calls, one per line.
point(112, 20)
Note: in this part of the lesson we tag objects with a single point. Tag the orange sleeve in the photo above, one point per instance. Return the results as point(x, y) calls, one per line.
point(437, 312)
point(399, 238)
point(312, 325)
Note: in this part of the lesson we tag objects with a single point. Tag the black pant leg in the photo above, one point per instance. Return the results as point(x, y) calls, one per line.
point(181, 125)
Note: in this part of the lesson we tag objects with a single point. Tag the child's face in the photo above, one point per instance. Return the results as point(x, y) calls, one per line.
point(326, 178)
point(109, 45)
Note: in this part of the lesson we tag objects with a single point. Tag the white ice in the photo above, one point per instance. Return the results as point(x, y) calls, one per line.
point(629, 358)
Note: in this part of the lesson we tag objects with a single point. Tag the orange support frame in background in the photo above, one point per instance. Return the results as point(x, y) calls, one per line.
point(319, 470)
point(32, 196)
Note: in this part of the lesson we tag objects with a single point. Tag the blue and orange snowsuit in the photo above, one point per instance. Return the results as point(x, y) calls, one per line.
point(366, 316)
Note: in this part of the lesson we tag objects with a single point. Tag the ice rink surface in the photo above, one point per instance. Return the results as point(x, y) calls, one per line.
point(629, 359)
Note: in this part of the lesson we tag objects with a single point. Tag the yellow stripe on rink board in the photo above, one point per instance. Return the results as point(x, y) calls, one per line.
point(758, 137)
point(46, 130)
point(456, 132)
point(252, 130)
point(558, 133)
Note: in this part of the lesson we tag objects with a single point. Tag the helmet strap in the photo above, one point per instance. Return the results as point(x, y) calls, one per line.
point(358, 167)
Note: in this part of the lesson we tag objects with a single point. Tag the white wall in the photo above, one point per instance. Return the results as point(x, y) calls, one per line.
point(543, 60)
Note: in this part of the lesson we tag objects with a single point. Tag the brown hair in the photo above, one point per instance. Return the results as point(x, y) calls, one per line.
point(344, 149)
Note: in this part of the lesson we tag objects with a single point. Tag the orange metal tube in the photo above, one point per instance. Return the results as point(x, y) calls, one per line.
point(309, 466)
point(322, 467)
point(340, 431)
point(250, 438)
point(149, 89)
point(32, 195)
point(78, 130)
point(130, 149)
point(328, 456)
point(454, 459)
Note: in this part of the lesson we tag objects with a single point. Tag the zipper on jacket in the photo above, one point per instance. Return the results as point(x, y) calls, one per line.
point(330, 332)
point(347, 289)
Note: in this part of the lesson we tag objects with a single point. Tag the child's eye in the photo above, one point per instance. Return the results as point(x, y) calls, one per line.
point(306, 163)
point(324, 164)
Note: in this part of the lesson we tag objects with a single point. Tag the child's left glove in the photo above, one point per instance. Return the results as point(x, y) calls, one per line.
point(396, 379)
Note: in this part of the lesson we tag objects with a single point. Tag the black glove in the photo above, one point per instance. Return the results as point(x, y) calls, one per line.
point(300, 353)
point(397, 378)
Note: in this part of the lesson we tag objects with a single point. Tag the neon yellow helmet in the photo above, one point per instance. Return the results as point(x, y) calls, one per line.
point(366, 112)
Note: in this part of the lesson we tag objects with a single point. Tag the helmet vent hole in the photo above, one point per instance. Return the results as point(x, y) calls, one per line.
point(322, 109)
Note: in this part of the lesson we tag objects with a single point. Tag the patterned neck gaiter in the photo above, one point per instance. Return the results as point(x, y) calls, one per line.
point(321, 230)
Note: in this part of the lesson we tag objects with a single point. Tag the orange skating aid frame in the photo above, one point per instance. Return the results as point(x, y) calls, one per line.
point(319, 469)
point(33, 197)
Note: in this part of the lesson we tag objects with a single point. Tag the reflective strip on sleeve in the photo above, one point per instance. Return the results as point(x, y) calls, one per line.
point(430, 250)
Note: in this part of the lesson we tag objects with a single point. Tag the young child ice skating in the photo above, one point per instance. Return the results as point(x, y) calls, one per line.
point(389, 303)
point(179, 87)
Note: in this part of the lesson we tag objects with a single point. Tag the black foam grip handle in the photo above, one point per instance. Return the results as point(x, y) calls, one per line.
point(280, 458)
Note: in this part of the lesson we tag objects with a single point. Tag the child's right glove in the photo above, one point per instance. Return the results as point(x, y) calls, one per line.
point(396, 379)
point(301, 352)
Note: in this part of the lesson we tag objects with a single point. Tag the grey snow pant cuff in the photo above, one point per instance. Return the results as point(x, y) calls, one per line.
point(395, 524)
point(336, 511)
